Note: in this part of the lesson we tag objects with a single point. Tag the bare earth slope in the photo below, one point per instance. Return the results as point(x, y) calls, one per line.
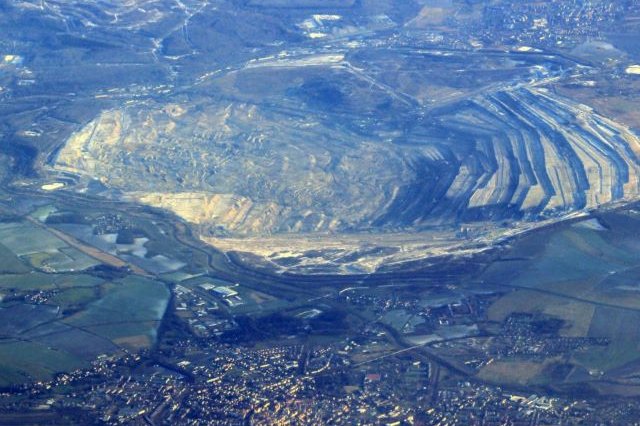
point(249, 171)
point(341, 135)
point(236, 169)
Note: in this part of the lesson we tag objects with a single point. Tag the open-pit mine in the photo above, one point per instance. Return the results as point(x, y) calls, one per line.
point(294, 159)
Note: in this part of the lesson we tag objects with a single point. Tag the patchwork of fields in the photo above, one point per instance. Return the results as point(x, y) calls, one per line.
point(587, 276)
point(54, 317)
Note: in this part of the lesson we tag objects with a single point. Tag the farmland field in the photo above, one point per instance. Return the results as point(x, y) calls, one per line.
point(42, 281)
point(55, 319)
point(130, 308)
point(586, 276)
point(24, 238)
point(10, 263)
point(20, 361)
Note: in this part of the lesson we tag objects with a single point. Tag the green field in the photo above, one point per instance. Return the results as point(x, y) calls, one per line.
point(588, 278)
point(74, 297)
point(10, 263)
point(63, 260)
point(130, 309)
point(25, 238)
point(38, 248)
point(41, 340)
point(56, 319)
point(28, 282)
point(110, 316)
point(77, 280)
point(41, 281)
point(23, 361)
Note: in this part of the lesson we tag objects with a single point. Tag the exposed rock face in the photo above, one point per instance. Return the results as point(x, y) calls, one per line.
point(235, 166)
point(245, 170)
point(259, 127)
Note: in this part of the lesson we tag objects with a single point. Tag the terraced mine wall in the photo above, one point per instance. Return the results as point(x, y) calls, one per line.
point(523, 153)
